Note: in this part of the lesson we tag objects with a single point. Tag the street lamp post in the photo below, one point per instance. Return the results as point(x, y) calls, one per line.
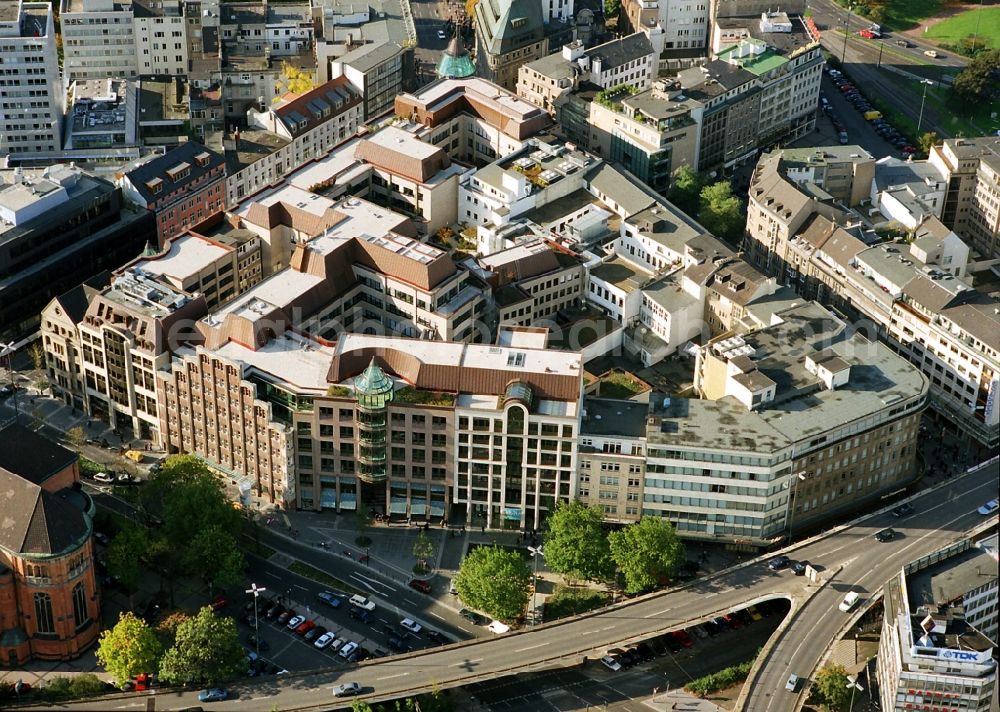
point(920, 117)
point(256, 591)
point(536, 554)
point(852, 682)
point(847, 32)
point(799, 477)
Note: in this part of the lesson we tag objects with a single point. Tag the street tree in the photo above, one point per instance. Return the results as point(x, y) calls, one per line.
point(76, 437)
point(832, 686)
point(167, 627)
point(37, 354)
point(685, 190)
point(977, 82)
point(645, 552)
point(423, 549)
point(206, 650)
point(125, 555)
point(927, 141)
point(612, 8)
point(215, 556)
point(359, 706)
point(720, 211)
point(575, 544)
point(494, 580)
point(129, 648)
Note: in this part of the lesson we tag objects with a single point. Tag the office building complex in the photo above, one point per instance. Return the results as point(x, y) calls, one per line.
point(971, 168)
point(31, 112)
point(98, 40)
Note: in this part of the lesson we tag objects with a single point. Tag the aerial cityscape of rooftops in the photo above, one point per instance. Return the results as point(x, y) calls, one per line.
point(500, 355)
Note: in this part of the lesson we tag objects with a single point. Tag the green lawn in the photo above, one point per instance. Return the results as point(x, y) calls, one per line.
point(954, 29)
point(938, 110)
point(902, 14)
point(569, 601)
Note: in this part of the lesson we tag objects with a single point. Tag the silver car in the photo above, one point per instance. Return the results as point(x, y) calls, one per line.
point(348, 689)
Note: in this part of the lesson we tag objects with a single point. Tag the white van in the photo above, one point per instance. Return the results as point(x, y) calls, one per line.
point(850, 601)
point(361, 602)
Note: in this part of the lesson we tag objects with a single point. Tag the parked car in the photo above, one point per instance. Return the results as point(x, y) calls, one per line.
point(274, 611)
point(420, 585)
point(214, 694)
point(711, 628)
point(348, 649)
point(337, 644)
point(799, 567)
point(286, 616)
point(359, 601)
point(754, 613)
point(436, 637)
point(358, 655)
point(347, 689)
point(733, 621)
point(330, 599)
point(885, 535)
point(398, 644)
point(324, 641)
point(473, 617)
point(411, 625)
point(304, 627)
point(903, 510)
point(104, 477)
point(611, 663)
point(363, 616)
point(295, 621)
point(314, 633)
point(261, 644)
point(683, 638)
point(908, 149)
point(778, 563)
point(672, 643)
point(441, 35)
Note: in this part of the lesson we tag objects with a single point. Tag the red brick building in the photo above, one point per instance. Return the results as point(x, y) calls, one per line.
point(183, 187)
point(50, 604)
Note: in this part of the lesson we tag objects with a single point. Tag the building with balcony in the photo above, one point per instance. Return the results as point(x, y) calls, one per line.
point(50, 602)
point(972, 203)
point(473, 119)
point(183, 187)
point(34, 99)
point(59, 227)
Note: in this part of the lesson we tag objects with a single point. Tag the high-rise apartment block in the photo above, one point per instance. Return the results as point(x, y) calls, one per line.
point(98, 40)
point(31, 110)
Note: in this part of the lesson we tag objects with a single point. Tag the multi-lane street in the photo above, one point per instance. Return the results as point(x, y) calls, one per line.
point(850, 555)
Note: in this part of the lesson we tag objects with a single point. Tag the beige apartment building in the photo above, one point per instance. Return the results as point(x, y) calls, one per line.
point(612, 454)
point(971, 167)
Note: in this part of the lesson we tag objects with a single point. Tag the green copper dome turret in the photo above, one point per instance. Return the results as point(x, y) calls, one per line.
point(373, 387)
point(374, 390)
point(455, 62)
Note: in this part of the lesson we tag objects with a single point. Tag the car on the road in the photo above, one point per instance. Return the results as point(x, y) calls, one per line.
point(885, 535)
point(793, 683)
point(990, 507)
point(411, 625)
point(473, 617)
point(441, 35)
point(104, 477)
point(799, 567)
point(347, 689)
point(778, 562)
point(362, 615)
point(498, 627)
point(274, 611)
point(361, 602)
point(330, 599)
point(348, 649)
point(324, 641)
point(436, 637)
point(611, 663)
point(931, 53)
point(398, 644)
point(850, 601)
point(304, 627)
point(295, 621)
point(902, 43)
point(214, 694)
point(420, 585)
point(903, 510)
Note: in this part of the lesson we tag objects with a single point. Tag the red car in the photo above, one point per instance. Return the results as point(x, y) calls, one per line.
point(219, 602)
point(683, 638)
point(305, 627)
point(908, 149)
point(420, 585)
point(868, 35)
point(846, 88)
point(733, 621)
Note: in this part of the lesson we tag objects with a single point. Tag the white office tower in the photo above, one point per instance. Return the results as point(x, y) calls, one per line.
point(31, 102)
point(98, 40)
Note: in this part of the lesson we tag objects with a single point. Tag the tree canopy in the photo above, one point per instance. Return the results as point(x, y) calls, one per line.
point(831, 686)
point(494, 580)
point(721, 212)
point(978, 81)
point(645, 551)
point(125, 555)
point(206, 650)
point(685, 190)
point(294, 80)
point(575, 544)
point(128, 649)
point(926, 141)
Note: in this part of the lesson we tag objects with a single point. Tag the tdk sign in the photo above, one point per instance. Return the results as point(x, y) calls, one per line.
point(958, 655)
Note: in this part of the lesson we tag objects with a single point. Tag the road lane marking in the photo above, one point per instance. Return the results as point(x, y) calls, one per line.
point(363, 583)
point(658, 613)
point(412, 603)
point(389, 677)
point(530, 647)
point(436, 616)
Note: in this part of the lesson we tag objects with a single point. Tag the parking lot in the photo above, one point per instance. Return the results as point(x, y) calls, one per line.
point(845, 107)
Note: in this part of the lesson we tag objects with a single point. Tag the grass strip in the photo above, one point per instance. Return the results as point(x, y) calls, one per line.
point(311, 572)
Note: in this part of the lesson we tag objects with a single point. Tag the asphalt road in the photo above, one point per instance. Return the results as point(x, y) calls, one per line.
point(940, 518)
